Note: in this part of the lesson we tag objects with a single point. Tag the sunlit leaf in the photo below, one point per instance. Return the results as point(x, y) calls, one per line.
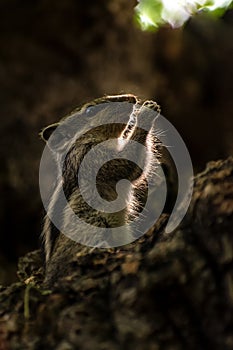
point(148, 14)
point(151, 14)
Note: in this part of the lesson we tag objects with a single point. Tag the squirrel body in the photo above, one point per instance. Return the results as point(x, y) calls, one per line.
point(56, 243)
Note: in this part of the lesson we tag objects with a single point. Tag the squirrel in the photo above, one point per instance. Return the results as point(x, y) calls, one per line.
point(56, 244)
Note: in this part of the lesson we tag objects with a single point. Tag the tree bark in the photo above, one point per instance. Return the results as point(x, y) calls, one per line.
point(164, 291)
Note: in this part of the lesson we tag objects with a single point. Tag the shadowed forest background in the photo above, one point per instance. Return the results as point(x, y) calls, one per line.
point(57, 55)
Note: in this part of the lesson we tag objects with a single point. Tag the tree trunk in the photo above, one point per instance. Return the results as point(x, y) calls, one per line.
point(164, 291)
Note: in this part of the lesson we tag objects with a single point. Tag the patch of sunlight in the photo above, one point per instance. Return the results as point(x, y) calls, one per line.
point(151, 14)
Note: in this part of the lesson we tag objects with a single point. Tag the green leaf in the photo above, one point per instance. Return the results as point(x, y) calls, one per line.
point(151, 14)
point(148, 14)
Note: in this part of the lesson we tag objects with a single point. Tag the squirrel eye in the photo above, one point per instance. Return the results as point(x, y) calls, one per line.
point(89, 108)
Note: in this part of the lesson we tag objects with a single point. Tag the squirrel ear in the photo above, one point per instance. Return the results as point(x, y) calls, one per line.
point(47, 131)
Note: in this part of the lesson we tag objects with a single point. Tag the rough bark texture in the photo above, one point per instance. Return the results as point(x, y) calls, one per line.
point(165, 291)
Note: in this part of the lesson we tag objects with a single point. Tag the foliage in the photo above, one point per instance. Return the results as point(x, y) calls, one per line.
point(151, 14)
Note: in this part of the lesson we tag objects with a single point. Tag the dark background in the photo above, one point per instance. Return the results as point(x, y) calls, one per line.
point(57, 55)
